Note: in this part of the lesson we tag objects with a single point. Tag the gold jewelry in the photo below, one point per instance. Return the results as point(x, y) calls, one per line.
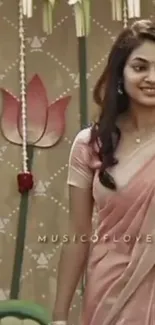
point(138, 140)
point(144, 134)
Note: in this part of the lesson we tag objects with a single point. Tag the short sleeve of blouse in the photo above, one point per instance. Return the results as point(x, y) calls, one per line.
point(79, 172)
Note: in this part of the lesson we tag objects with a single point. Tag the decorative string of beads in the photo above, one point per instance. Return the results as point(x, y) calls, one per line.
point(23, 86)
point(25, 178)
point(125, 14)
point(27, 8)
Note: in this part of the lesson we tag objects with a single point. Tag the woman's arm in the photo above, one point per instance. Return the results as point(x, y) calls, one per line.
point(73, 255)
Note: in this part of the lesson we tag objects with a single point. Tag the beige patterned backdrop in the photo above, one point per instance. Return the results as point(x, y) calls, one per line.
point(54, 59)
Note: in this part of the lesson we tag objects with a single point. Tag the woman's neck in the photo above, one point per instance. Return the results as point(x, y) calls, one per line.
point(142, 117)
point(138, 118)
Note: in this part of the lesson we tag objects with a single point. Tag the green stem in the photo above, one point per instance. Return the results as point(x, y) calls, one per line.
point(21, 233)
point(83, 81)
point(83, 100)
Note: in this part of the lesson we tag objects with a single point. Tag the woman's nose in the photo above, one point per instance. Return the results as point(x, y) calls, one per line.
point(151, 75)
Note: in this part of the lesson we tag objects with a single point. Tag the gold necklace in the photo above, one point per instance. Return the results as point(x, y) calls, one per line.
point(144, 134)
point(138, 140)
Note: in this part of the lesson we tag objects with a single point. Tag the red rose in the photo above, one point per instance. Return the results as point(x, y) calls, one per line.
point(25, 182)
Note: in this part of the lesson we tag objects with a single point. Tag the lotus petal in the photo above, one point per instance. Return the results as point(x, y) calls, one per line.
point(37, 105)
point(55, 124)
point(10, 112)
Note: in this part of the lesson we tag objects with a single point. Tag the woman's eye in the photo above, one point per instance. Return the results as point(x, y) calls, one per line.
point(138, 68)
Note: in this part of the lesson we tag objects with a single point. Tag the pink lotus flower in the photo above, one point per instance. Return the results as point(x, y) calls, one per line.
point(45, 123)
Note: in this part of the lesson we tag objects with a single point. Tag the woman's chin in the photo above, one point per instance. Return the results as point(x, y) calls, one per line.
point(147, 102)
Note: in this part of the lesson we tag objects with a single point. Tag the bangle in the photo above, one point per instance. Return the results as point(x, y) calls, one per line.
point(59, 322)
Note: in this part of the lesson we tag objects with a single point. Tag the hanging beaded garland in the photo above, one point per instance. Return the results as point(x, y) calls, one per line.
point(81, 9)
point(133, 8)
point(27, 6)
point(116, 9)
point(23, 87)
point(125, 15)
point(48, 8)
point(124, 10)
point(25, 179)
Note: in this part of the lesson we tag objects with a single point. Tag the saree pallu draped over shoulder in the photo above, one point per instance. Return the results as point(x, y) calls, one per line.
point(120, 288)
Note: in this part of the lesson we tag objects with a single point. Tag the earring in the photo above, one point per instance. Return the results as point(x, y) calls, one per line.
point(119, 89)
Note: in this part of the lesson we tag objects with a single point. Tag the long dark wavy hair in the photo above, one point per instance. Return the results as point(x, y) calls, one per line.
point(111, 97)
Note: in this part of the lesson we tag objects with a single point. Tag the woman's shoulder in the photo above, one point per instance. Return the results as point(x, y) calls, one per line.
point(83, 136)
point(83, 151)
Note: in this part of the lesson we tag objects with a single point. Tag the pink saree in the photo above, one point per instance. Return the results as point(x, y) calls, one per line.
point(120, 288)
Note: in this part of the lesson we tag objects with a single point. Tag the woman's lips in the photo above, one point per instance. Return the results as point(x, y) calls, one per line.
point(148, 91)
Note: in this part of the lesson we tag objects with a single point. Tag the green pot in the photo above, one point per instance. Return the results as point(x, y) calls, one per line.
point(18, 312)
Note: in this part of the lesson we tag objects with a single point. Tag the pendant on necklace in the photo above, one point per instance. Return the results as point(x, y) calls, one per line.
point(138, 140)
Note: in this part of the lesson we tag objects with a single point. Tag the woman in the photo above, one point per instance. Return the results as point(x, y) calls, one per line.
point(112, 167)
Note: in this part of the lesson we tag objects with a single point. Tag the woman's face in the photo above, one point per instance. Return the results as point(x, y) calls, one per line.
point(139, 75)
